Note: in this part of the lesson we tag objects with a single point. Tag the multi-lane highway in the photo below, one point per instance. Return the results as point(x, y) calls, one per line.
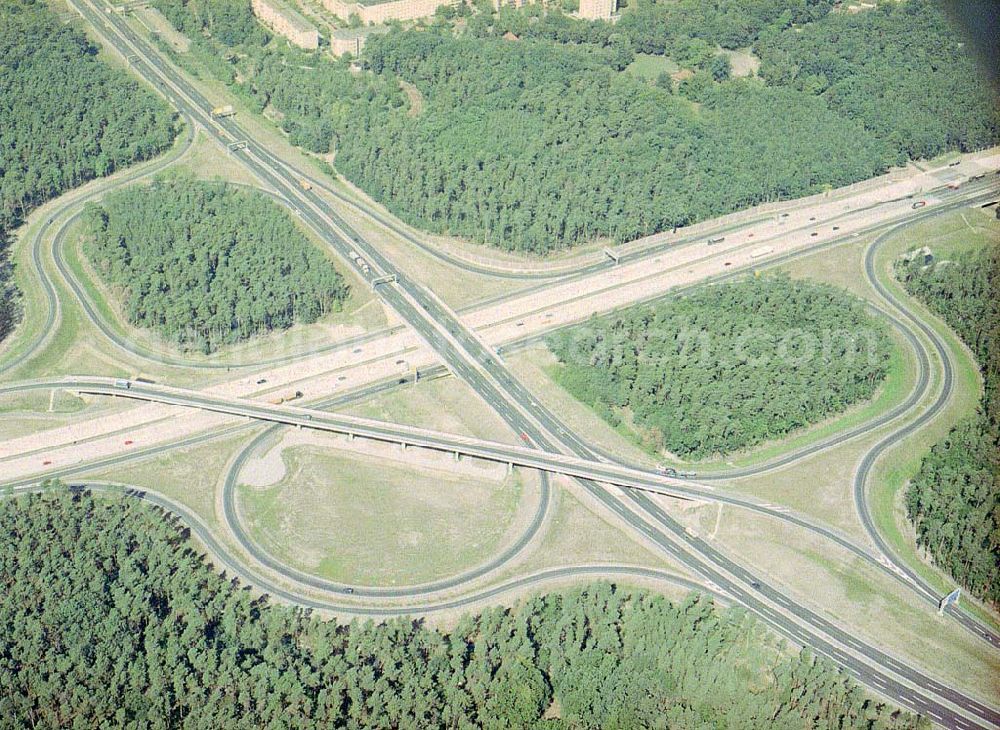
point(468, 358)
point(523, 456)
point(590, 468)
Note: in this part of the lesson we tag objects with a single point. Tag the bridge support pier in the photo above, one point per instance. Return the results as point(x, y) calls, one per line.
point(458, 456)
point(402, 446)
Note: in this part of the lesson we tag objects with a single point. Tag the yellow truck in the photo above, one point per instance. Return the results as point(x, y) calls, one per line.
point(223, 111)
point(287, 397)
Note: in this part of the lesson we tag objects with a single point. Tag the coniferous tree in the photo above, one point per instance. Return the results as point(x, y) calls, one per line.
point(206, 264)
point(66, 117)
point(953, 499)
point(698, 379)
point(110, 617)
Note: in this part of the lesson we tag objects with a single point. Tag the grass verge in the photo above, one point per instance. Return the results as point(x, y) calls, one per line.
point(372, 521)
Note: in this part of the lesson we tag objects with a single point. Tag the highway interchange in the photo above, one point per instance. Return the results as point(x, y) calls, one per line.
point(552, 445)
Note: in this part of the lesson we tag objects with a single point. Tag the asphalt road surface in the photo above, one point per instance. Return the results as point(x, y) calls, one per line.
point(469, 359)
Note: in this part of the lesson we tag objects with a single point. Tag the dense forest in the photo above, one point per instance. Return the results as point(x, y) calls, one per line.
point(546, 142)
point(66, 117)
point(111, 617)
point(535, 145)
point(897, 71)
point(954, 500)
point(8, 292)
point(206, 264)
point(690, 32)
point(696, 378)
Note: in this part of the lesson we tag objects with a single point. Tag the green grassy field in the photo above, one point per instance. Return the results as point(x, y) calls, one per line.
point(647, 66)
point(443, 404)
point(880, 609)
point(189, 475)
point(373, 521)
point(576, 535)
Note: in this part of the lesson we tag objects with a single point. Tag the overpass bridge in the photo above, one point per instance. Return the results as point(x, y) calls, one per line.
point(354, 426)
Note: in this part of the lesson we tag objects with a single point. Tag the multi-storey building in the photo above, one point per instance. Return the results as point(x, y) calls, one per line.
point(352, 40)
point(597, 9)
point(373, 11)
point(286, 21)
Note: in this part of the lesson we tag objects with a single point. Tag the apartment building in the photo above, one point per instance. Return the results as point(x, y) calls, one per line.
point(352, 40)
point(286, 21)
point(372, 11)
point(597, 9)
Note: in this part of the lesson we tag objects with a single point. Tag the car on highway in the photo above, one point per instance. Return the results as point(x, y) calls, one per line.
point(348, 590)
point(755, 584)
point(261, 381)
point(814, 234)
point(919, 204)
point(129, 442)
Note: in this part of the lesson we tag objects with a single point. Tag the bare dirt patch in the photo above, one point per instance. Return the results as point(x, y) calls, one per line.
point(154, 20)
point(742, 62)
point(414, 96)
